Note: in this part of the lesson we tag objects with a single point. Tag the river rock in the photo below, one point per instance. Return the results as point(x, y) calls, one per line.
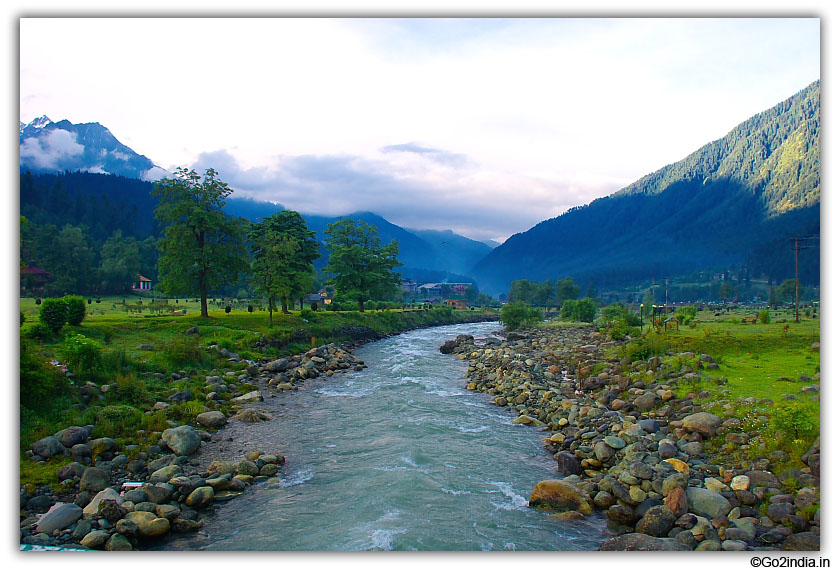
point(60, 516)
point(657, 521)
point(200, 497)
point(182, 440)
point(95, 539)
point(254, 396)
point(707, 503)
point(72, 435)
point(108, 494)
point(740, 483)
point(214, 419)
point(148, 523)
point(640, 542)
point(71, 470)
point(94, 480)
point(802, 541)
point(157, 494)
point(561, 496)
point(568, 464)
point(164, 474)
point(101, 445)
point(703, 423)
point(48, 447)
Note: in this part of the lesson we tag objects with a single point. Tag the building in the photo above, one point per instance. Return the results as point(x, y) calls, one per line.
point(457, 303)
point(33, 278)
point(142, 284)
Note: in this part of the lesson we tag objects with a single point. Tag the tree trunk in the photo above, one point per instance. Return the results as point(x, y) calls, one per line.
point(285, 306)
point(202, 287)
point(270, 311)
point(361, 305)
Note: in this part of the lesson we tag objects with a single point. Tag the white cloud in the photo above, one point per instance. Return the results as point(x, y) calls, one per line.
point(51, 149)
point(155, 173)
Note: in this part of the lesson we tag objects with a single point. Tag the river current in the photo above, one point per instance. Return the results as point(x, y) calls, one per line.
point(399, 456)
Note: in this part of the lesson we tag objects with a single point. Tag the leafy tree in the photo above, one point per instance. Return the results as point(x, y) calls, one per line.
point(361, 266)
point(518, 314)
point(585, 310)
point(787, 290)
point(120, 262)
point(543, 293)
point(71, 260)
point(567, 289)
point(283, 251)
point(202, 247)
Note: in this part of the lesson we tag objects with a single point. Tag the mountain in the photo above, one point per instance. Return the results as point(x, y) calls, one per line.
point(427, 255)
point(734, 202)
point(46, 146)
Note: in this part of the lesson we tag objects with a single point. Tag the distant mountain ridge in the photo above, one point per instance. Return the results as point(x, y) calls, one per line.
point(734, 201)
point(46, 146)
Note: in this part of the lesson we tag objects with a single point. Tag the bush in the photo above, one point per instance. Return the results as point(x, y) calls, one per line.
point(517, 315)
point(183, 351)
point(82, 354)
point(118, 421)
point(76, 310)
point(764, 316)
point(130, 390)
point(797, 417)
point(53, 314)
point(40, 383)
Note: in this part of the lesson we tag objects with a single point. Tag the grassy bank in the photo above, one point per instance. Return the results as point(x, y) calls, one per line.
point(765, 367)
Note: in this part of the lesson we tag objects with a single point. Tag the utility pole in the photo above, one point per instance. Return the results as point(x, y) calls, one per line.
point(796, 247)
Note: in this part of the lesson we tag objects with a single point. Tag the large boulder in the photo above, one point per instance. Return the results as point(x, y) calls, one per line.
point(164, 474)
point(559, 495)
point(707, 503)
point(182, 440)
point(641, 542)
point(704, 423)
point(254, 396)
point(101, 445)
point(60, 516)
point(657, 521)
point(48, 447)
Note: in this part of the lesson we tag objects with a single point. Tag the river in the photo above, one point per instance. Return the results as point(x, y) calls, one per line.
point(399, 456)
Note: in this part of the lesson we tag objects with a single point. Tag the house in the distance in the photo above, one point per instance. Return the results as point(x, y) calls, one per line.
point(142, 284)
point(33, 279)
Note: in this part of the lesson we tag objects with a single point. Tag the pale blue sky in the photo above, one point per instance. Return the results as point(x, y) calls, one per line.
point(326, 116)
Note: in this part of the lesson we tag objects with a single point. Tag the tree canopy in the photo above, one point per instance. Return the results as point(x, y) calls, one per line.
point(283, 251)
point(202, 247)
point(361, 266)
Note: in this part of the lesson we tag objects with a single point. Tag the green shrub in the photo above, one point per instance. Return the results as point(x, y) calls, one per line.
point(39, 331)
point(82, 354)
point(517, 315)
point(764, 316)
point(76, 310)
point(130, 390)
point(53, 314)
point(796, 417)
point(40, 383)
point(183, 351)
point(118, 421)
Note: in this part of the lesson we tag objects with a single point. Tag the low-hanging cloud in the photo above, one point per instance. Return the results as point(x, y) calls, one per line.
point(51, 150)
point(408, 189)
point(435, 154)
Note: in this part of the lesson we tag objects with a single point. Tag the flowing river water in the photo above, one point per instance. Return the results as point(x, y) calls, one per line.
point(399, 456)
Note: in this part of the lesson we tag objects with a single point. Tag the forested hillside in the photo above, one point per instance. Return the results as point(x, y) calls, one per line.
point(735, 202)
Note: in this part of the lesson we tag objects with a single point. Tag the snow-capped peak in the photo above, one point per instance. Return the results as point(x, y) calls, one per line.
point(39, 123)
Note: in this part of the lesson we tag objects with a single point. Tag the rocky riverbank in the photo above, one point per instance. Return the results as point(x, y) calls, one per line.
point(121, 496)
point(625, 444)
point(113, 497)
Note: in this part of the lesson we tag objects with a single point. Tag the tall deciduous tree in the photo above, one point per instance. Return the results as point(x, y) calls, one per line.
point(567, 289)
point(360, 264)
point(202, 247)
point(283, 251)
point(120, 262)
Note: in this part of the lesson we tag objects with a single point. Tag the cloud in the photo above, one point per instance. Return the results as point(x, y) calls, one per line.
point(434, 154)
point(97, 169)
point(50, 150)
point(155, 173)
point(401, 184)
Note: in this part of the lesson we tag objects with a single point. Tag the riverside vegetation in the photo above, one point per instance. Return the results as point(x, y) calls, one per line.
point(142, 396)
point(689, 440)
